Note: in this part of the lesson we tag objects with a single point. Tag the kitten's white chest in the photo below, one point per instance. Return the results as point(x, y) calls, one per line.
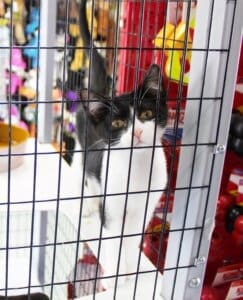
point(128, 179)
point(123, 171)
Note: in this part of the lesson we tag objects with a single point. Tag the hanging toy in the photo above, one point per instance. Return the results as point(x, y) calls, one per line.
point(173, 39)
point(234, 216)
point(18, 63)
point(4, 62)
point(2, 8)
point(234, 222)
point(14, 75)
point(235, 141)
point(14, 82)
point(31, 50)
point(78, 60)
point(29, 116)
point(19, 15)
point(28, 89)
point(32, 33)
point(33, 24)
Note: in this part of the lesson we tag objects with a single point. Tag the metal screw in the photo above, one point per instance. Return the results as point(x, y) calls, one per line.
point(195, 282)
point(200, 260)
point(220, 148)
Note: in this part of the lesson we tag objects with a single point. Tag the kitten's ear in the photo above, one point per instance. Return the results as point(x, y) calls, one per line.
point(93, 104)
point(153, 81)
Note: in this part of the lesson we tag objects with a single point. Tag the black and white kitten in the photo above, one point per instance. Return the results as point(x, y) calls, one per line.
point(125, 162)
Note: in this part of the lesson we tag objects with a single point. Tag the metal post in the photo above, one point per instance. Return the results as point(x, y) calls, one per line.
point(4, 63)
point(47, 40)
point(207, 119)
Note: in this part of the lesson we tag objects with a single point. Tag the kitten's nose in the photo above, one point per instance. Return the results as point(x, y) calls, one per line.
point(138, 132)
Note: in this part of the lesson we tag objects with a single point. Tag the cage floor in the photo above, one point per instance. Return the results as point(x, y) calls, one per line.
point(48, 188)
point(43, 170)
point(145, 281)
point(18, 276)
point(144, 289)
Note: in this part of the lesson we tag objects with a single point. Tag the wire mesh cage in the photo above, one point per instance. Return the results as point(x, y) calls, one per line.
point(58, 199)
point(19, 255)
point(65, 251)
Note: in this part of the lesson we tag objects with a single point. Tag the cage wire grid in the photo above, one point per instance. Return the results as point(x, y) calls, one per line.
point(179, 269)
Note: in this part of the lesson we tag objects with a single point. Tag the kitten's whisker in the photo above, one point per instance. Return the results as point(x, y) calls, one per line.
point(96, 143)
point(112, 140)
point(100, 141)
point(148, 88)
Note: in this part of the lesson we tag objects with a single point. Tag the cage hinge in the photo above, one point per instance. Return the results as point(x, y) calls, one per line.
point(199, 261)
point(219, 149)
point(194, 282)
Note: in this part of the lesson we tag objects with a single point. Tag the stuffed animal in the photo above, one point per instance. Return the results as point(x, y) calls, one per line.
point(19, 15)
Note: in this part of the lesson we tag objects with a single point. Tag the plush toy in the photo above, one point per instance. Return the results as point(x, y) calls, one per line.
point(102, 23)
point(2, 8)
point(19, 15)
point(234, 222)
point(78, 60)
point(16, 73)
point(74, 17)
point(18, 63)
point(33, 24)
point(31, 50)
point(235, 142)
point(173, 38)
point(14, 82)
point(28, 89)
point(234, 213)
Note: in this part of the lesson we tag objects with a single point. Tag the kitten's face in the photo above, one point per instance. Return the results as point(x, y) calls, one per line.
point(143, 126)
point(113, 120)
point(137, 119)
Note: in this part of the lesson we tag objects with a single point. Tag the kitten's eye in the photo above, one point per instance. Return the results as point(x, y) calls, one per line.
point(118, 123)
point(147, 115)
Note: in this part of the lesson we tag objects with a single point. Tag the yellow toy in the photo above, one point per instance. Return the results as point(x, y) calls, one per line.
point(19, 14)
point(78, 60)
point(2, 8)
point(102, 25)
point(174, 38)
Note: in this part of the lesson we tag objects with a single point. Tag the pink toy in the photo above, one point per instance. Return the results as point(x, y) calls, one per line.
point(15, 111)
point(16, 82)
point(15, 117)
point(23, 125)
point(17, 59)
point(18, 67)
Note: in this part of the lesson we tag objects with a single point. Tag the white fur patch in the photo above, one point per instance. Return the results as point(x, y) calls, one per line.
point(137, 172)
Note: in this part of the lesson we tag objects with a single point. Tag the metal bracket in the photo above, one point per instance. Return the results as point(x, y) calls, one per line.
point(219, 149)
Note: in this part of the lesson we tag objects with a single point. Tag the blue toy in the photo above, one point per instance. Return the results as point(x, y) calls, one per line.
point(31, 52)
point(32, 32)
point(34, 21)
